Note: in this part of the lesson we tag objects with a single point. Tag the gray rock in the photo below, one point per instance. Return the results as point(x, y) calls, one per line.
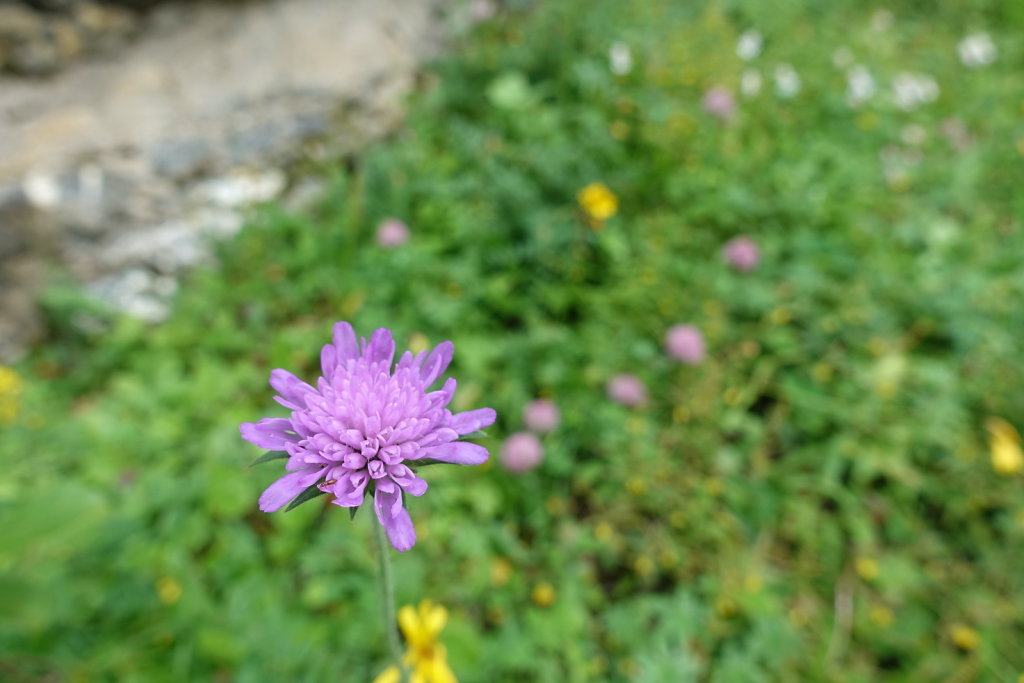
point(182, 159)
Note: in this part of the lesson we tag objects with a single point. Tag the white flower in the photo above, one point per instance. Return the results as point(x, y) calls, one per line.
point(750, 82)
point(860, 85)
point(977, 50)
point(881, 20)
point(910, 90)
point(620, 59)
point(842, 57)
point(749, 45)
point(914, 135)
point(787, 81)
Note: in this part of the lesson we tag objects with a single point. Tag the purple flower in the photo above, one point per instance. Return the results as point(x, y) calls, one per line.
point(720, 103)
point(741, 253)
point(627, 390)
point(364, 424)
point(685, 343)
point(541, 415)
point(392, 233)
point(521, 451)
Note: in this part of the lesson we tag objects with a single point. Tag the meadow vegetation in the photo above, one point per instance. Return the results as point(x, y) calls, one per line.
point(811, 497)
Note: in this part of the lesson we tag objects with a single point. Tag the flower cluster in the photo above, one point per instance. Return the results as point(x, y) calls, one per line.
point(358, 431)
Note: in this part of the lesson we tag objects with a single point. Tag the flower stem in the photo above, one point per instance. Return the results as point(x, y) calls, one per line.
point(387, 595)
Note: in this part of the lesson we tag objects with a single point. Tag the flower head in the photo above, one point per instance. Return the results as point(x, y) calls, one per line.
point(521, 452)
point(541, 415)
point(426, 657)
point(749, 44)
point(627, 389)
point(392, 233)
point(719, 102)
point(685, 343)
point(598, 201)
point(620, 59)
point(741, 253)
point(977, 50)
point(364, 424)
point(1004, 445)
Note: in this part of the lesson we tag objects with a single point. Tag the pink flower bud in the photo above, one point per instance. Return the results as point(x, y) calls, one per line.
point(392, 233)
point(741, 253)
point(521, 452)
point(541, 416)
point(685, 343)
point(627, 390)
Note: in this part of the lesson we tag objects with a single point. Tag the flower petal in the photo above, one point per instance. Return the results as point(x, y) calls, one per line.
point(472, 420)
point(290, 387)
point(394, 516)
point(350, 489)
point(410, 483)
point(281, 492)
point(328, 360)
point(459, 453)
point(272, 433)
point(346, 346)
point(437, 362)
point(381, 347)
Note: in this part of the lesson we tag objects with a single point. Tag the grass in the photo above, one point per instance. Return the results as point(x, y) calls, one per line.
point(815, 501)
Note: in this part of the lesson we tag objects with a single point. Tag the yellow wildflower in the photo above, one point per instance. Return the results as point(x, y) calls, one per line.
point(881, 615)
point(426, 658)
point(543, 594)
point(964, 637)
point(598, 202)
point(168, 589)
point(1004, 444)
point(867, 567)
point(10, 386)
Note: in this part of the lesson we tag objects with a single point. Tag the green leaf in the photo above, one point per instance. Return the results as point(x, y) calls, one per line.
point(268, 456)
point(311, 492)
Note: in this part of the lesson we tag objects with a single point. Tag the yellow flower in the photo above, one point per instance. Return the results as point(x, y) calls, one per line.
point(867, 567)
point(598, 201)
point(1004, 444)
point(964, 637)
point(168, 589)
point(425, 656)
point(543, 594)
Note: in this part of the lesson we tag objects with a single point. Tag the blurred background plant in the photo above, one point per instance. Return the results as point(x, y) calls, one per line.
point(819, 492)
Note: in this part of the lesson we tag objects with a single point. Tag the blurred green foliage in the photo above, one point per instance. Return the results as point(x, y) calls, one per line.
point(813, 502)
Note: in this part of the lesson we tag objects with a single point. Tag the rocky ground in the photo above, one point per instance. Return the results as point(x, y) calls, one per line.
point(121, 166)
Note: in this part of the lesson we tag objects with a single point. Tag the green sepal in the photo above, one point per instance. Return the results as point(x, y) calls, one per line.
point(309, 494)
point(416, 464)
point(352, 512)
point(268, 456)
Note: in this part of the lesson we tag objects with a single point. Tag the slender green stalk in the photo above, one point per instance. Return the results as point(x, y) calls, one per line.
point(387, 595)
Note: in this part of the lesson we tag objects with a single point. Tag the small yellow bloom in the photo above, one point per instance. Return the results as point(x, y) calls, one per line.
point(603, 532)
point(636, 486)
point(425, 656)
point(10, 382)
point(168, 590)
point(964, 637)
point(543, 594)
point(501, 571)
point(1004, 445)
point(598, 201)
point(881, 615)
point(867, 567)
point(643, 565)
